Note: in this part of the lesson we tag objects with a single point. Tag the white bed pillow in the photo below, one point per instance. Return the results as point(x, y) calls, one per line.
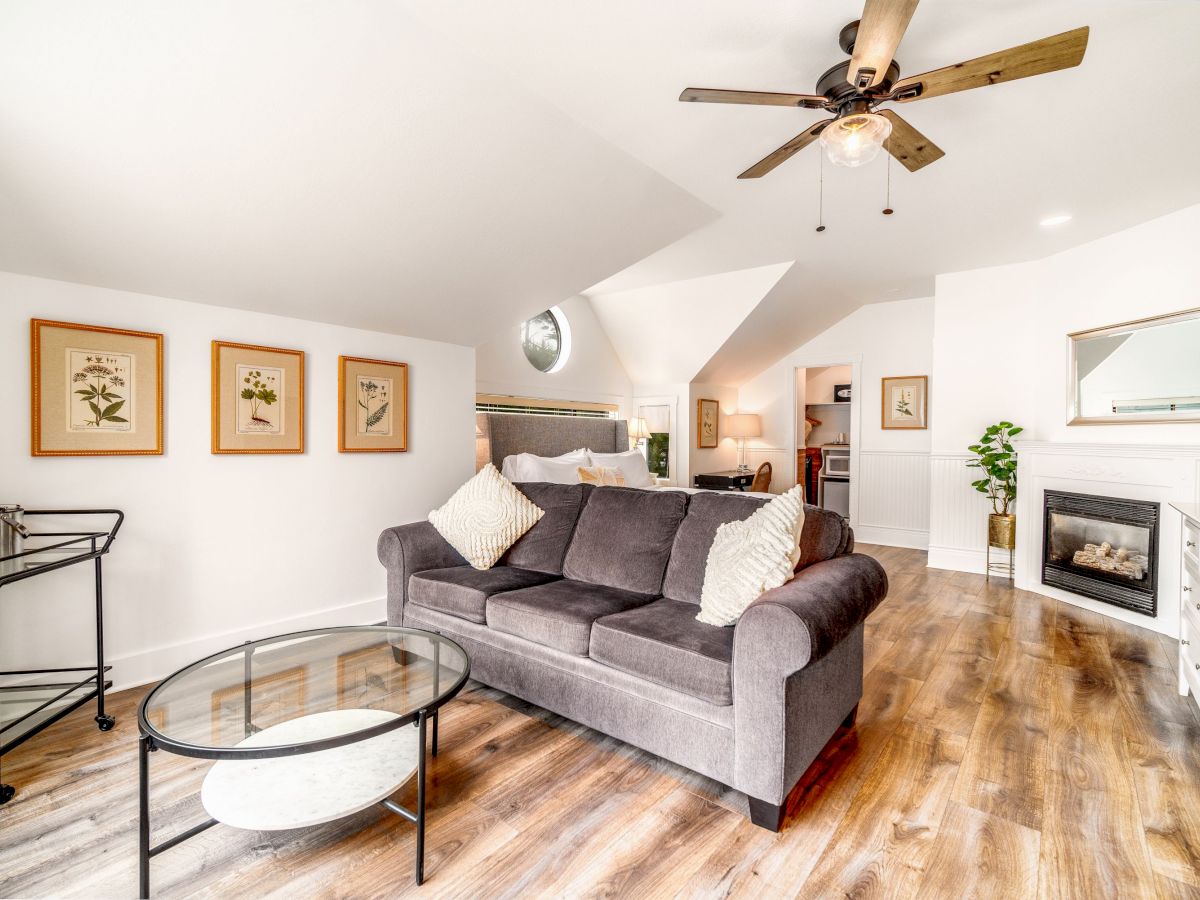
point(485, 517)
point(750, 557)
point(523, 466)
point(631, 463)
point(554, 471)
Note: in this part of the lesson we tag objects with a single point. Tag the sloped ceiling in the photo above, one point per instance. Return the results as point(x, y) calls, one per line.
point(664, 334)
point(445, 169)
point(336, 161)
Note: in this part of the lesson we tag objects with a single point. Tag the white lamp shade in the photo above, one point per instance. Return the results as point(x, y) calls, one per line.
point(638, 429)
point(743, 425)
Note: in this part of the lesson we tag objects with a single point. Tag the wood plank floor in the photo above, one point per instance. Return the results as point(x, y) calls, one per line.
point(1006, 746)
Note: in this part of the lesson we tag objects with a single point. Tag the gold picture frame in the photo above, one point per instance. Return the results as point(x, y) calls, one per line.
point(95, 391)
point(369, 419)
point(904, 403)
point(257, 399)
point(708, 424)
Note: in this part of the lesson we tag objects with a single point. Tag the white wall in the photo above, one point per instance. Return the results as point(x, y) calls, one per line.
point(218, 549)
point(593, 371)
point(1000, 352)
point(890, 500)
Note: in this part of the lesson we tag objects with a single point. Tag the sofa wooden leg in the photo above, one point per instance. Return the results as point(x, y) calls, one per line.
point(766, 815)
point(848, 722)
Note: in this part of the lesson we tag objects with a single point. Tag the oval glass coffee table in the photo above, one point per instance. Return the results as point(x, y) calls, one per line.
point(305, 728)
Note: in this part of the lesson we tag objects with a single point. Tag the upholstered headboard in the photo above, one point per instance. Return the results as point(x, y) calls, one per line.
point(506, 434)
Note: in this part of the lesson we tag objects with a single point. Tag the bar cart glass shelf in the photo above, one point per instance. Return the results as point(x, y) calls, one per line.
point(34, 699)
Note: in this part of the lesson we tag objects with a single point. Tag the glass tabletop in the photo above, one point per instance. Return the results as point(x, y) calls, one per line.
point(211, 707)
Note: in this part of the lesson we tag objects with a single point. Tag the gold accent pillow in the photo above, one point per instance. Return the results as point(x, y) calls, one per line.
point(601, 475)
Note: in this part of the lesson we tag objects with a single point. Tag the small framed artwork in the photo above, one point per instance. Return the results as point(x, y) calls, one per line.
point(841, 393)
point(708, 413)
point(95, 391)
point(257, 399)
point(372, 405)
point(905, 402)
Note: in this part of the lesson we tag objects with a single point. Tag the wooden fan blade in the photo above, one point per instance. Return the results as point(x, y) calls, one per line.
point(882, 26)
point(754, 98)
point(908, 145)
point(1062, 51)
point(784, 153)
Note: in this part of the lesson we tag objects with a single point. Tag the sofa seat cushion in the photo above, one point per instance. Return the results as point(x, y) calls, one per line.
point(663, 643)
point(559, 614)
point(623, 539)
point(463, 591)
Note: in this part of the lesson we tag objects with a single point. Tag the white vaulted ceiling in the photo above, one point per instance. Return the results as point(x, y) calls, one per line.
point(442, 169)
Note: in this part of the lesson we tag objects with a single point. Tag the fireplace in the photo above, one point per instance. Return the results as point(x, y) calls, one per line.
point(1102, 547)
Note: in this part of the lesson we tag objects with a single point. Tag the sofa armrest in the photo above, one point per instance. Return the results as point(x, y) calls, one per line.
point(794, 669)
point(407, 549)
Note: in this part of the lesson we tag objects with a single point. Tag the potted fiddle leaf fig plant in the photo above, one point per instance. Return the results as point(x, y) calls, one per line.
point(996, 457)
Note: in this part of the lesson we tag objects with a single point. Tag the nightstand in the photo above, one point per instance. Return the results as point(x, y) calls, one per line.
point(731, 480)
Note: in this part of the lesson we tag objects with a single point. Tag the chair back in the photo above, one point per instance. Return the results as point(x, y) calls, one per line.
point(762, 478)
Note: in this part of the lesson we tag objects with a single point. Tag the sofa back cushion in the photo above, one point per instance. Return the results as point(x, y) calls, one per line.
point(542, 547)
point(624, 536)
point(706, 512)
point(825, 536)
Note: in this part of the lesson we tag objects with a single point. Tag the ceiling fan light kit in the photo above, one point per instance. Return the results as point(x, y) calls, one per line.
point(855, 140)
point(853, 89)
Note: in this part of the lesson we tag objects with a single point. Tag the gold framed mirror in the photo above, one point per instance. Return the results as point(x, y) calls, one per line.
point(1136, 372)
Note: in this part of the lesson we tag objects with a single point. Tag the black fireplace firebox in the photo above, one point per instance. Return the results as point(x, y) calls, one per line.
point(1105, 548)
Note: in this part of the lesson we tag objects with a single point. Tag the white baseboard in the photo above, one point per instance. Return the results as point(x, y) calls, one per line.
point(144, 666)
point(892, 537)
point(958, 559)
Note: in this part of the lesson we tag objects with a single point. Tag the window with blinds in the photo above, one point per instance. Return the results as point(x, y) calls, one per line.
point(533, 406)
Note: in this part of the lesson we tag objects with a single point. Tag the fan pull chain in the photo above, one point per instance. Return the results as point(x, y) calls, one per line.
point(887, 204)
point(821, 195)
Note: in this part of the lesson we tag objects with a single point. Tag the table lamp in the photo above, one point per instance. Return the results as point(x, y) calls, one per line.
point(742, 426)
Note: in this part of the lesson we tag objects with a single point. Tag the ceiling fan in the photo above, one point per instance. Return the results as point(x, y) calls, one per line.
point(853, 89)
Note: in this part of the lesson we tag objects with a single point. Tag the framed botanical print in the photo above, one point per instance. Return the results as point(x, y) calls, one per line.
point(707, 414)
point(905, 402)
point(257, 399)
point(95, 391)
point(372, 405)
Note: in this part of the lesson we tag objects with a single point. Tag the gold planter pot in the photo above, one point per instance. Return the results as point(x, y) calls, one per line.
point(1002, 531)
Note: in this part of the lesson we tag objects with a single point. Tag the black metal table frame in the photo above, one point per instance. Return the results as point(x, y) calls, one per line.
point(93, 551)
point(150, 740)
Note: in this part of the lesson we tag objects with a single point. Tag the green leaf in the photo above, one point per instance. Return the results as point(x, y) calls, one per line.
point(109, 410)
point(116, 419)
point(247, 394)
point(94, 407)
point(1005, 425)
point(88, 393)
point(375, 417)
point(1013, 431)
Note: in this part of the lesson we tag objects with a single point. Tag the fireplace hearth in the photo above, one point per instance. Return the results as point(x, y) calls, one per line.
point(1105, 548)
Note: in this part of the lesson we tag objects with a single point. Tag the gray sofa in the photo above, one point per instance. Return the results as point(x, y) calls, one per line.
point(591, 615)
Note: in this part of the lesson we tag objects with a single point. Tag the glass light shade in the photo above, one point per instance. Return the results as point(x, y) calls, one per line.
point(638, 429)
point(855, 140)
point(743, 425)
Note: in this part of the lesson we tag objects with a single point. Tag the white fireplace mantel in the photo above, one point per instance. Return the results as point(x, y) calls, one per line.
point(1159, 473)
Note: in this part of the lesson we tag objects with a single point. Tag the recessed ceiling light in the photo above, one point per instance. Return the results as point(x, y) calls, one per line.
point(1055, 221)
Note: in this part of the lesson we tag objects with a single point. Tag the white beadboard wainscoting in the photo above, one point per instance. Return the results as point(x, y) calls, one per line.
point(893, 498)
point(957, 515)
point(782, 465)
point(1157, 473)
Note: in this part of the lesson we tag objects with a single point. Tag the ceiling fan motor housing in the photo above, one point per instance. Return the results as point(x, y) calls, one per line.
point(835, 83)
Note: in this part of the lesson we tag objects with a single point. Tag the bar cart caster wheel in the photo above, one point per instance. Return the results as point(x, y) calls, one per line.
point(105, 723)
point(6, 792)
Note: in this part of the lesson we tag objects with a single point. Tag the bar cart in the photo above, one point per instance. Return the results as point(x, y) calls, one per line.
point(28, 703)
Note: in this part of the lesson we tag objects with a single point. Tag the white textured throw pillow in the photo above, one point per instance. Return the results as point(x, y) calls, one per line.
point(750, 557)
point(485, 517)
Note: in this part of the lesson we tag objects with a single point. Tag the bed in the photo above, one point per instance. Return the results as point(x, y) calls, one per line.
point(503, 434)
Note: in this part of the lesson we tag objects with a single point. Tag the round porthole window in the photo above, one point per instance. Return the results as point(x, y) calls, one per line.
point(546, 340)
